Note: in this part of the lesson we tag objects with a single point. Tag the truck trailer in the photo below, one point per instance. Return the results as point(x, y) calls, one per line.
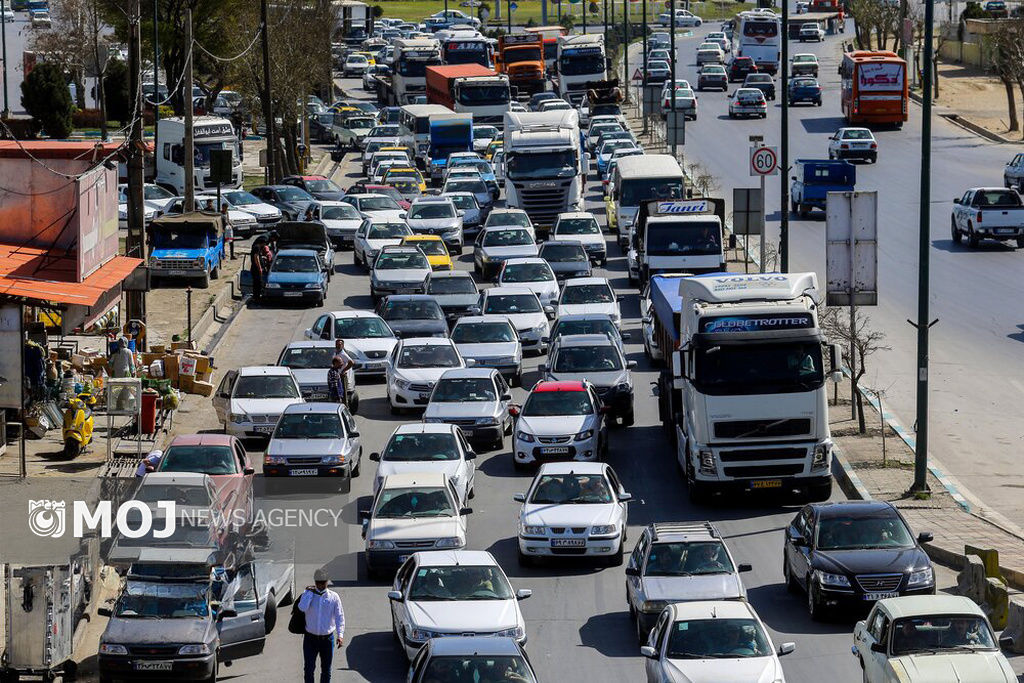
point(449, 133)
point(469, 88)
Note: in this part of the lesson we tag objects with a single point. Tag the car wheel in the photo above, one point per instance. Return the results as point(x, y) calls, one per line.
point(517, 379)
point(359, 464)
point(641, 637)
point(524, 559)
point(518, 466)
point(1020, 242)
point(395, 410)
point(972, 237)
point(270, 615)
point(814, 606)
point(499, 443)
point(787, 575)
point(956, 235)
point(628, 418)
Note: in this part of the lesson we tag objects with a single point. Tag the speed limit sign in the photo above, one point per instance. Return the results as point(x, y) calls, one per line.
point(764, 161)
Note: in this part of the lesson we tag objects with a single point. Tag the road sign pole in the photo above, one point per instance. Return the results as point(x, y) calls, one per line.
point(784, 143)
point(761, 269)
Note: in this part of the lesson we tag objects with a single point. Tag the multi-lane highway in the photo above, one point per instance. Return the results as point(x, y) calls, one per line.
point(977, 346)
point(577, 623)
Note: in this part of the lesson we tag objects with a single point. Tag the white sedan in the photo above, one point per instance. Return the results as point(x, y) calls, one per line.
point(369, 340)
point(524, 310)
point(436, 447)
point(373, 235)
point(573, 509)
point(589, 295)
point(683, 18)
point(341, 220)
point(712, 640)
point(533, 273)
point(454, 593)
point(416, 365)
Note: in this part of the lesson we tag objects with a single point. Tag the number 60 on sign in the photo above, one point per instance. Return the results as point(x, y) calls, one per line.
point(764, 161)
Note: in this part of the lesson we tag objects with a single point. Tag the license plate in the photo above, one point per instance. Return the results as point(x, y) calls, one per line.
point(567, 542)
point(317, 396)
point(424, 397)
point(373, 366)
point(303, 472)
point(293, 293)
point(177, 273)
point(555, 450)
point(154, 666)
point(263, 429)
point(880, 596)
point(766, 484)
point(1005, 231)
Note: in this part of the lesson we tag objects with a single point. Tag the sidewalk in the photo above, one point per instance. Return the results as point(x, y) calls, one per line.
point(976, 98)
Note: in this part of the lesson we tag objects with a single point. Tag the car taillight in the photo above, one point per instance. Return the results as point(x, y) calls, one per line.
point(874, 146)
point(856, 107)
point(978, 219)
point(844, 146)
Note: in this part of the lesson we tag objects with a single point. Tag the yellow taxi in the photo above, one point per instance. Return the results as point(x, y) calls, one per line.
point(492, 148)
point(370, 57)
point(433, 248)
point(404, 172)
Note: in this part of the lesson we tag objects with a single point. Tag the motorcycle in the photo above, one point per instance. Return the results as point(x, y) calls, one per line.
point(78, 425)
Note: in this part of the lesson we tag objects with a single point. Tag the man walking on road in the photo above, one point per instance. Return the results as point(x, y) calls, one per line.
point(325, 627)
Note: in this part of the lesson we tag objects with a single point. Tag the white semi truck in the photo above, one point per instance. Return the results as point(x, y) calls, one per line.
point(409, 80)
point(581, 60)
point(545, 166)
point(744, 393)
point(209, 133)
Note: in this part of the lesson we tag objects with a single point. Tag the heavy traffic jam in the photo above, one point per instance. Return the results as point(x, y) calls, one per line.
point(517, 353)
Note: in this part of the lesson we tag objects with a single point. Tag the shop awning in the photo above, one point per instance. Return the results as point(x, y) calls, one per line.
point(49, 275)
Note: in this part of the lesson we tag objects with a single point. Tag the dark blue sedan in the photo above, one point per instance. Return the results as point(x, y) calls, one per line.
point(805, 90)
point(296, 275)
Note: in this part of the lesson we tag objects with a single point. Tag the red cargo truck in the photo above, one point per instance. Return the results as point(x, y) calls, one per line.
point(439, 81)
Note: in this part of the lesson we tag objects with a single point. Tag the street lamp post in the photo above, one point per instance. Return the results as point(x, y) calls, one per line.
point(509, 7)
point(672, 71)
point(3, 37)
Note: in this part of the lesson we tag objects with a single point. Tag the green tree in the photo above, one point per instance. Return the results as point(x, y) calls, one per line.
point(115, 89)
point(46, 97)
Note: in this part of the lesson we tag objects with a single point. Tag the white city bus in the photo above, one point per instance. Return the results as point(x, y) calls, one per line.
point(758, 35)
point(639, 179)
point(415, 122)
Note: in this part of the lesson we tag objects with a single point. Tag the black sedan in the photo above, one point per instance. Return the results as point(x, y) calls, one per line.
point(414, 315)
point(762, 82)
point(292, 201)
point(850, 554)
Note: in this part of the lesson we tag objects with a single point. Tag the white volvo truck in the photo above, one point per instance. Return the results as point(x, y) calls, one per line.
point(581, 60)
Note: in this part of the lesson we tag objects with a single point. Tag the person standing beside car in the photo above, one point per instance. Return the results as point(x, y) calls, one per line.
point(325, 627)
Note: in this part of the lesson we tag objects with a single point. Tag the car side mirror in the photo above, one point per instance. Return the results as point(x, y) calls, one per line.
point(523, 593)
point(401, 215)
point(799, 541)
point(226, 614)
point(925, 537)
point(107, 612)
point(626, 335)
point(878, 647)
point(519, 497)
point(632, 571)
point(630, 364)
point(395, 596)
point(549, 311)
point(308, 333)
point(365, 524)
point(249, 470)
point(625, 497)
point(466, 511)
point(353, 435)
point(649, 652)
point(470, 455)
point(470, 362)
point(506, 397)
point(375, 457)
point(956, 201)
point(792, 178)
point(786, 648)
point(744, 568)
point(1006, 642)
point(460, 213)
point(513, 411)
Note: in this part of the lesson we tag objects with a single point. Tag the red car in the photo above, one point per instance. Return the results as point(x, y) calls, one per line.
point(739, 67)
point(224, 459)
point(363, 187)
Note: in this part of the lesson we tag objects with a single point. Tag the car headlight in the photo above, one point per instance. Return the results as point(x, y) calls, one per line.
point(524, 436)
point(516, 632)
point(194, 649)
point(449, 542)
point(584, 435)
point(273, 460)
point(487, 420)
point(833, 580)
point(380, 545)
point(603, 529)
point(112, 649)
point(531, 530)
point(623, 387)
point(333, 460)
point(201, 261)
point(421, 634)
point(541, 326)
point(921, 577)
point(313, 285)
point(707, 462)
point(273, 285)
point(401, 383)
point(653, 606)
point(238, 417)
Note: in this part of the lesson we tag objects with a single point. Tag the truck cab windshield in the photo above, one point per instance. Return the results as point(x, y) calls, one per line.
point(759, 368)
point(579, 65)
point(693, 238)
point(172, 239)
point(523, 54)
point(527, 166)
point(638, 190)
point(484, 94)
point(415, 69)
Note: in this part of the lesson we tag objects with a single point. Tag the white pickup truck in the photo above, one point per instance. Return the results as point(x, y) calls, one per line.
point(988, 213)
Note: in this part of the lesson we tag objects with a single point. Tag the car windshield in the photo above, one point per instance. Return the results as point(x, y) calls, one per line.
point(185, 535)
point(294, 263)
point(340, 212)
point(506, 238)
point(483, 333)
point(163, 601)
point(500, 218)
point(377, 204)
point(479, 669)
point(431, 247)
point(464, 389)
point(553, 252)
point(425, 501)
point(432, 210)
point(293, 194)
point(549, 403)
point(309, 426)
point(382, 231)
point(587, 359)
point(587, 294)
point(412, 310)
point(716, 639)
point(613, 145)
point(805, 58)
point(465, 185)
point(571, 489)
point(360, 328)
point(527, 272)
point(157, 192)
point(639, 190)
point(429, 356)
point(560, 163)
point(759, 368)
point(684, 237)
point(857, 134)
point(420, 447)
point(405, 187)
point(166, 238)
point(321, 185)
point(688, 559)
point(590, 326)
point(358, 123)
point(212, 460)
point(464, 201)
point(306, 358)
point(997, 198)
point(400, 260)
point(718, 70)
point(182, 494)
point(577, 226)
point(860, 533)
point(805, 83)
point(484, 132)
point(759, 78)
point(459, 582)
point(502, 304)
point(386, 131)
point(451, 285)
point(265, 386)
point(598, 129)
point(941, 632)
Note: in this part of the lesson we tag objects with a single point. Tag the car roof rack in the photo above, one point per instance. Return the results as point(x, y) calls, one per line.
point(686, 528)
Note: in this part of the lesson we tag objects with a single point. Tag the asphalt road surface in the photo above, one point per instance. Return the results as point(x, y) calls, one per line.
point(977, 346)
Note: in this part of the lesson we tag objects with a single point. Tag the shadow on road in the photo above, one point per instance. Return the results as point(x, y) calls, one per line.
point(787, 613)
point(825, 124)
point(611, 634)
point(375, 656)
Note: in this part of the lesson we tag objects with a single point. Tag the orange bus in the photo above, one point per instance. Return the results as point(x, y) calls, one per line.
point(874, 87)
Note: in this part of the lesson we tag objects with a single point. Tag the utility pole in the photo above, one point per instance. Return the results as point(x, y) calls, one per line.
point(509, 15)
point(3, 38)
point(672, 74)
point(268, 107)
point(784, 149)
point(924, 256)
point(135, 244)
point(156, 79)
point(583, 6)
point(190, 142)
point(604, 4)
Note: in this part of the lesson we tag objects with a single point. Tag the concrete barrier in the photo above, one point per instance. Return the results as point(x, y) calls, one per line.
point(970, 581)
point(1015, 624)
point(997, 602)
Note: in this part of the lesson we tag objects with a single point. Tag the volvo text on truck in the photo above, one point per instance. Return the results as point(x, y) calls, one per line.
point(545, 165)
point(469, 88)
point(581, 59)
point(744, 394)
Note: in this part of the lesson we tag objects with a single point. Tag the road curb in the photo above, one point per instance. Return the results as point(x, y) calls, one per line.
point(209, 316)
point(969, 125)
point(847, 478)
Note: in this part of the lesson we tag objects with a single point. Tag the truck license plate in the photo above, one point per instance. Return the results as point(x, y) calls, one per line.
point(880, 596)
point(555, 450)
point(766, 484)
point(303, 472)
point(154, 666)
point(177, 273)
point(567, 542)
